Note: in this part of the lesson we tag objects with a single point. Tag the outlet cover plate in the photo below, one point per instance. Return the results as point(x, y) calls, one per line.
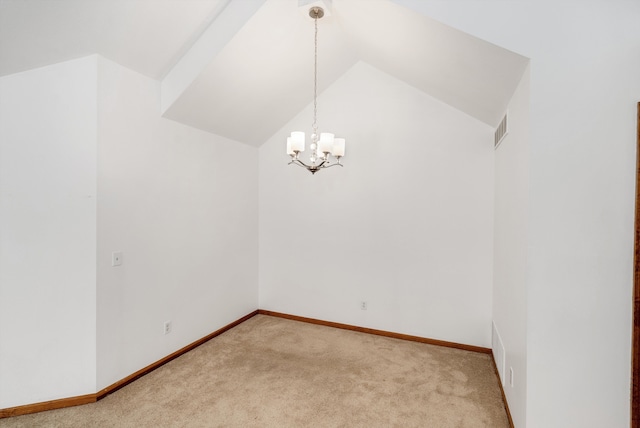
point(116, 258)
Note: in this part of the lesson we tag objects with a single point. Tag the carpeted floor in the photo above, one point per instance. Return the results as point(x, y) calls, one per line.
point(272, 372)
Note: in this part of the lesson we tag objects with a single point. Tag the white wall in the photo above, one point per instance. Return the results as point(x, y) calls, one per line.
point(510, 249)
point(584, 89)
point(406, 225)
point(182, 206)
point(47, 233)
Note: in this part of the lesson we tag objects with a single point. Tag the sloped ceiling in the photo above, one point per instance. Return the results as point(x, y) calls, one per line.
point(148, 36)
point(244, 68)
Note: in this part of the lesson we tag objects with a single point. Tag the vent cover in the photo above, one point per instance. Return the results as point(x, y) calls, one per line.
point(499, 354)
point(501, 132)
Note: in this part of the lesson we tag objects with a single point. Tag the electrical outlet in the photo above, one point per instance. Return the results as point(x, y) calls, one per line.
point(167, 327)
point(116, 258)
point(363, 305)
point(511, 376)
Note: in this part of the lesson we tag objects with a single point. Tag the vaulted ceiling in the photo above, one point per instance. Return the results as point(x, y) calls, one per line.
point(244, 68)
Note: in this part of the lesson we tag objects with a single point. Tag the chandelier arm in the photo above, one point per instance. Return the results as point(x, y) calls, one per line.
point(321, 165)
point(333, 164)
point(313, 168)
point(298, 162)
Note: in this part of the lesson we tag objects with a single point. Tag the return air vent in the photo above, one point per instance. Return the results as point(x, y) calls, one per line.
point(501, 132)
point(499, 354)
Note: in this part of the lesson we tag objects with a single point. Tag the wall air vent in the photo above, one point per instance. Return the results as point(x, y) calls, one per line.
point(501, 132)
point(499, 354)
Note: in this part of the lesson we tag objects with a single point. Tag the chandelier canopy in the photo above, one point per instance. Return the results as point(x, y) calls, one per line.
point(324, 147)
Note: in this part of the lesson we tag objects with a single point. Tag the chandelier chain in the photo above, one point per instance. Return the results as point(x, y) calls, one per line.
point(315, 78)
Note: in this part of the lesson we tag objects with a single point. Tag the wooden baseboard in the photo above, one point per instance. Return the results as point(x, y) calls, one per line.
point(504, 397)
point(47, 405)
point(127, 380)
point(403, 337)
point(92, 398)
point(379, 332)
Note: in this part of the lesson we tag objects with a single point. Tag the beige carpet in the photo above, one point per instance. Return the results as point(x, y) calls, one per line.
point(272, 372)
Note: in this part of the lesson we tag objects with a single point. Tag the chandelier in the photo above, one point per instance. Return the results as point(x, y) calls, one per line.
point(324, 147)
